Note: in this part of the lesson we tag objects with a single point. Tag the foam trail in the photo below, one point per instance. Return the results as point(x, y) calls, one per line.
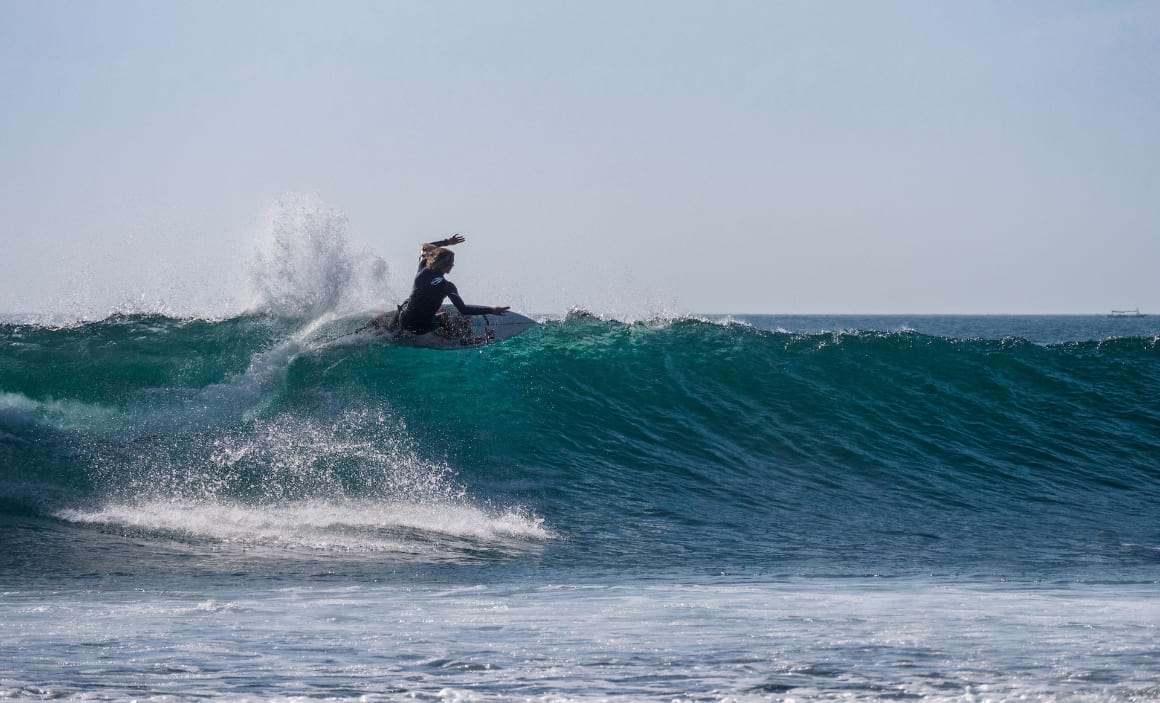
point(359, 525)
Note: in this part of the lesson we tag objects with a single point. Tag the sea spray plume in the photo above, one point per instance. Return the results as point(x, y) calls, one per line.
point(304, 266)
point(304, 271)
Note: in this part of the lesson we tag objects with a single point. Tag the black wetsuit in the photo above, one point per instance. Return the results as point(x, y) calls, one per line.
point(427, 296)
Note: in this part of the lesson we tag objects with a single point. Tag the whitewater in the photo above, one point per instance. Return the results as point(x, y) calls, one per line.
point(253, 506)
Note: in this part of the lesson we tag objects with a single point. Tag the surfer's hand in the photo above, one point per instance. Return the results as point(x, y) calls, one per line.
point(500, 310)
point(453, 240)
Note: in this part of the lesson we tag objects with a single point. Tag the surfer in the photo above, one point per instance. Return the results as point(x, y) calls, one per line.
point(431, 287)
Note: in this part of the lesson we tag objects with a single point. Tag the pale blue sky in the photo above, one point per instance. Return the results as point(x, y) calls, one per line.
point(697, 156)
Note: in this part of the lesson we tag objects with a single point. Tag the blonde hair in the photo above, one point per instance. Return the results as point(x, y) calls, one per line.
point(437, 256)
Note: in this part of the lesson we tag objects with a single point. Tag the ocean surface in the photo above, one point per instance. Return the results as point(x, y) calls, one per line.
point(717, 508)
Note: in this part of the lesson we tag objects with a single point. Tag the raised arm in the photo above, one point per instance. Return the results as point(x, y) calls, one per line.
point(449, 242)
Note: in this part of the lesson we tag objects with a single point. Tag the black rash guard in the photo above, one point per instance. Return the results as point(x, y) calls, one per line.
point(427, 296)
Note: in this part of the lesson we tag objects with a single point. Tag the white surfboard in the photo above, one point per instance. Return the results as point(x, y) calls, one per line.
point(454, 331)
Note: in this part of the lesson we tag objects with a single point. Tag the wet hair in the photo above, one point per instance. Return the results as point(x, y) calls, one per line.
point(437, 256)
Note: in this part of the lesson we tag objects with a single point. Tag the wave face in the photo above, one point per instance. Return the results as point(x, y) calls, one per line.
point(590, 441)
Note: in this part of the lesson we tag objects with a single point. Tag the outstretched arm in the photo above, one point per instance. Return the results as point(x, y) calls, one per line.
point(465, 309)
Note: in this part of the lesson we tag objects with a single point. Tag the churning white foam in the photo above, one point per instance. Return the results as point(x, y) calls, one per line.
point(351, 482)
point(353, 525)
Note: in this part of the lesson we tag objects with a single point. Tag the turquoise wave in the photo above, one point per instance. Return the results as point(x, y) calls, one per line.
point(669, 441)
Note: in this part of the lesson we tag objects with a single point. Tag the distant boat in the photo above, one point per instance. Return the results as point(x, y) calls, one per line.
point(1128, 313)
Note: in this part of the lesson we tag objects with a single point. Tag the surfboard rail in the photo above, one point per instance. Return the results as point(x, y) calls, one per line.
point(453, 330)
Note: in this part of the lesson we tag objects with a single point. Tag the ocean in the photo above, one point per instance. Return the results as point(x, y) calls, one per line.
point(685, 508)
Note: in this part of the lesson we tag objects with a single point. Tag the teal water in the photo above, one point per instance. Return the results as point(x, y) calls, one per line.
point(713, 508)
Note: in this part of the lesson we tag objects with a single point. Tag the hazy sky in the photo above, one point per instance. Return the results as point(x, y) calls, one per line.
point(695, 156)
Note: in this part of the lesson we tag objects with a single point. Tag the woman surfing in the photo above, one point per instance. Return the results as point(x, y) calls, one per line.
point(420, 314)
